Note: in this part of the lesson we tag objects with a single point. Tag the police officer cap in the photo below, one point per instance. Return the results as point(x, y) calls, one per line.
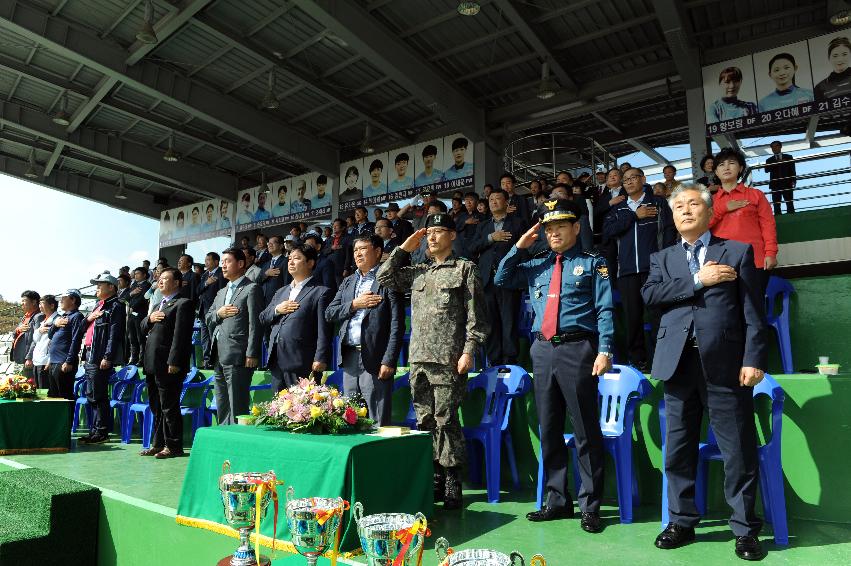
point(441, 219)
point(554, 209)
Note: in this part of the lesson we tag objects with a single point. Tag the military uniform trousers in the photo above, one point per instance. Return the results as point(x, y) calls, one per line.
point(437, 391)
point(731, 416)
point(564, 384)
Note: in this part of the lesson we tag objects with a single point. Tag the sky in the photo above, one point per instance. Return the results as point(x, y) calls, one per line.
point(93, 237)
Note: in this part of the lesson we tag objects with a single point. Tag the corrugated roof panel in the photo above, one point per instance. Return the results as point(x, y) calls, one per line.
point(327, 118)
point(109, 119)
point(54, 63)
point(94, 14)
point(88, 77)
point(230, 68)
point(134, 97)
point(169, 112)
point(7, 81)
point(34, 93)
point(145, 133)
point(207, 154)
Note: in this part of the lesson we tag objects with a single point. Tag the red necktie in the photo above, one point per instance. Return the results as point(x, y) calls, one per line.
point(550, 324)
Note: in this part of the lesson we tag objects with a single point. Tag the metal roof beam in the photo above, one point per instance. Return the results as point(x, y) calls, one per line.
point(678, 34)
point(166, 26)
point(271, 17)
point(394, 58)
point(136, 114)
point(108, 149)
point(603, 32)
point(647, 150)
point(316, 82)
point(54, 158)
point(608, 122)
point(625, 87)
point(153, 80)
point(86, 188)
point(533, 38)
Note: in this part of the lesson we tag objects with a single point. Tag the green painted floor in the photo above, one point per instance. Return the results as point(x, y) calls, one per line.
point(502, 526)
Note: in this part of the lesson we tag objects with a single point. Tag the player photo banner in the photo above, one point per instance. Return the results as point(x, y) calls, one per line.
point(786, 83)
point(194, 222)
point(441, 164)
point(305, 197)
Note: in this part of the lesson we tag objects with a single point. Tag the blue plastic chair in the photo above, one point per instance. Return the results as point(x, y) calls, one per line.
point(780, 322)
point(619, 391)
point(81, 402)
point(123, 382)
point(770, 464)
point(501, 384)
point(404, 382)
point(138, 406)
point(196, 341)
point(197, 409)
point(526, 317)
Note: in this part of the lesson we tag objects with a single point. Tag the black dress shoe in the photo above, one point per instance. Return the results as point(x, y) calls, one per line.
point(591, 523)
point(150, 452)
point(550, 514)
point(749, 548)
point(674, 536)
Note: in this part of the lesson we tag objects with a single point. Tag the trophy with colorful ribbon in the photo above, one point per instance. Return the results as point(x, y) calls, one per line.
point(391, 539)
point(481, 557)
point(245, 496)
point(314, 524)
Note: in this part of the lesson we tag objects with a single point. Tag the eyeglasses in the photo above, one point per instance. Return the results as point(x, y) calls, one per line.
point(631, 178)
point(436, 231)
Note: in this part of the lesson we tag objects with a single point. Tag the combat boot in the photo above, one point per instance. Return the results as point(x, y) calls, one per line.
point(439, 482)
point(452, 499)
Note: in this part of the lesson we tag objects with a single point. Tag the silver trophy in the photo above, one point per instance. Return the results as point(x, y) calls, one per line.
point(313, 523)
point(239, 499)
point(481, 557)
point(378, 538)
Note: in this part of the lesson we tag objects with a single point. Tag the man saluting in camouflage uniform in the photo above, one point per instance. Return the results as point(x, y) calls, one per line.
point(448, 325)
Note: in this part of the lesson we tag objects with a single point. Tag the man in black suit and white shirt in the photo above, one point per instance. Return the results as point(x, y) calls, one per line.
point(710, 351)
point(169, 343)
point(210, 283)
point(273, 272)
point(234, 324)
point(494, 238)
point(300, 338)
point(372, 324)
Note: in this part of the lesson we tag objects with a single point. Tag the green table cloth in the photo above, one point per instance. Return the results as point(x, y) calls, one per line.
point(35, 426)
point(384, 474)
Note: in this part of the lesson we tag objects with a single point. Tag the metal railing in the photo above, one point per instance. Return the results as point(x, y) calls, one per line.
point(807, 185)
point(545, 154)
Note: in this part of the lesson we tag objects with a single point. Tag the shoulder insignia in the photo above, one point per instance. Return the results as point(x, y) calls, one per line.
point(603, 271)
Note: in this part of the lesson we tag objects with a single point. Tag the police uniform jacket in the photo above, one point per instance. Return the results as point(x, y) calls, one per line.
point(586, 293)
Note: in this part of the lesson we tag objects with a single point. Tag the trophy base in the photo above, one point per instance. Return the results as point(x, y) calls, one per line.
point(226, 561)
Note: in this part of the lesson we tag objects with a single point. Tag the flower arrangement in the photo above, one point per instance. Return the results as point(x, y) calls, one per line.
point(312, 408)
point(17, 387)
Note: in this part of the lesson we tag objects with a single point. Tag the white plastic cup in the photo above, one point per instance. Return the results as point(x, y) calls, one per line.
point(823, 360)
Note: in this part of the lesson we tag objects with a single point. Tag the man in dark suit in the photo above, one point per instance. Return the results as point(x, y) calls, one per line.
point(209, 284)
point(300, 338)
point(324, 270)
point(138, 309)
point(362, 224)
point(494, 237)
point(188, 279)
point(611, 195)
point(336, 247)
point(66, 338)
point(401, 227)
point(782, 178)
point(389, 240)
point(169, 343)
point(261, 251)
point(372, 324)
point(233, 321)
point(710, 349)
point(273, 272)
point(466, 225)
point(518, 205)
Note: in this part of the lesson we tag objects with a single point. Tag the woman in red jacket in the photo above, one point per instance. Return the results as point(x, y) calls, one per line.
point(742, 213)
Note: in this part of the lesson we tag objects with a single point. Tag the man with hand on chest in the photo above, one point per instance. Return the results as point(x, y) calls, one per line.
point(372, 324)
point(169, 333)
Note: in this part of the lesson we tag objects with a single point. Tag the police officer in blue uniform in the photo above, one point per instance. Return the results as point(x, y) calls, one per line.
point(572, 299)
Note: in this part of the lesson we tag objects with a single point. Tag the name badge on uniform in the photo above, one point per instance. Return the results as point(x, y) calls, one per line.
point(578, 270)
